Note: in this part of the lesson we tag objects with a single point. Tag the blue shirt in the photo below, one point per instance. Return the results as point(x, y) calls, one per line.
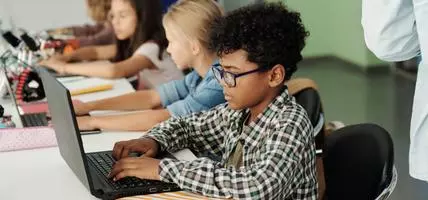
point(191, 94)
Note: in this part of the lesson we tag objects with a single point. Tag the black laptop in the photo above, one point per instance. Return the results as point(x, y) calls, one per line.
point(91, 168)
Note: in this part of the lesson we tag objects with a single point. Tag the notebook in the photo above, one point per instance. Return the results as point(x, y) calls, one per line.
point(26, 138)
point(87, 85)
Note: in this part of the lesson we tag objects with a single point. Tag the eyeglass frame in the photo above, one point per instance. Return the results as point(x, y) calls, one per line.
point(217, 67)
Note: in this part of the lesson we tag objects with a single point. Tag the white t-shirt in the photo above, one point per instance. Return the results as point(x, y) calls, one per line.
point(166, 69)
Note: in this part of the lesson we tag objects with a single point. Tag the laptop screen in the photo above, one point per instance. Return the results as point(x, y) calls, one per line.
point(6, 92)
point(9, 64)
point(65, 126)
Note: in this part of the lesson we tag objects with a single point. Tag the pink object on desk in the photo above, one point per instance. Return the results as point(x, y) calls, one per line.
point(26, 138)
point(37, 107)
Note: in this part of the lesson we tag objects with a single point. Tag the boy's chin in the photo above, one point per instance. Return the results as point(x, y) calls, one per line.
point(233, 106)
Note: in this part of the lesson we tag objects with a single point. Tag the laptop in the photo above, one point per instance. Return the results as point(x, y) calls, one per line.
point(38, 119)
point(27, 120)
point(92, 169)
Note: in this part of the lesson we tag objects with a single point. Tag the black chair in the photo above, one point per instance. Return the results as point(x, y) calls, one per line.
point(310, 100)
point(359, 163)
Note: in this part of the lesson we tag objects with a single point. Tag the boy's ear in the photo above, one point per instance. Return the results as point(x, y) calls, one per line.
point(277, 76)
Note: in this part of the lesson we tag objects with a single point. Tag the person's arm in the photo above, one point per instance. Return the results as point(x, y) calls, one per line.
point(269, 177)
point(141, 121)
point(169, 94)
point(205, 98)
point(126, 68)
point(176, 133)
point(139, 100)
point(129, 67)
point(102, 69)
point(390, 29)
point(201, 131)
point(166, 94)
point(103, 52)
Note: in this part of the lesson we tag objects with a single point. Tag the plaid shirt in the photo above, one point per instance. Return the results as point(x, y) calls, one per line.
point(278, 152)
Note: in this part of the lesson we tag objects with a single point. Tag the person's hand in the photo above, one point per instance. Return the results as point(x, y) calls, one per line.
point(147, 146)
point(85, 123)
point(55, 64)
point(141, 167)
point(81, 108)
point(62, 57)
point(60, 31)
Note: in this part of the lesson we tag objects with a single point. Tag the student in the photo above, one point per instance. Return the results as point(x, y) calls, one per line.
point(140, 46)
point(101, 33)
point(263, 136)
point(187, 25)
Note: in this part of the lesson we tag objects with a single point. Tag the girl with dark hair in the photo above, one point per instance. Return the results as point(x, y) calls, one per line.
point(140, 47)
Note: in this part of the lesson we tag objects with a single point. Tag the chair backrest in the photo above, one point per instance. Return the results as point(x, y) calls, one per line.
point(358, 162)
point(310, 100)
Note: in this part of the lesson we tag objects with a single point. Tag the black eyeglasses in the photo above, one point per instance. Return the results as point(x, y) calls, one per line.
point(228, 77)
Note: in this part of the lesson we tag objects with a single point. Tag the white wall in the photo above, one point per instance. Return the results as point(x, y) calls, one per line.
point(37, 15)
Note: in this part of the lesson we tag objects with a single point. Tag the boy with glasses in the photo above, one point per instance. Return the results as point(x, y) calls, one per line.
point(264, 138)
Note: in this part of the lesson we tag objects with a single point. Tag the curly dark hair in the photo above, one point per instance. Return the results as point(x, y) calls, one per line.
point(270, 33)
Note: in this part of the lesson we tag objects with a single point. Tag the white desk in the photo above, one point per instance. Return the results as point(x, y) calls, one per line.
point(121, 86)
point(43, 174)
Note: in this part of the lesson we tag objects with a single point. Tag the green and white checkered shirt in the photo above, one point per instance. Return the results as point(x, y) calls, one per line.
point(278, 152)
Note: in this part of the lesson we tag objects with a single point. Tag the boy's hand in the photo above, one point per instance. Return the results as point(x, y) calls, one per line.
point(147, 146)
point(141, 167)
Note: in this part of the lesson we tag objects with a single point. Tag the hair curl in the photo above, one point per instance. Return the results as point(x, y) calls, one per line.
point(270, 33)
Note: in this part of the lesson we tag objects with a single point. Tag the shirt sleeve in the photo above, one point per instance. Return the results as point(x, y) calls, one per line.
point(174, 91)
point(206, 97)
point(149, 50)
point(201, 131)
point(269, 177)
point(390, 29)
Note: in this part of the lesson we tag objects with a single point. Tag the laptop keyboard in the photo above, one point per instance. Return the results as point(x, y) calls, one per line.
point(34, 119)
point(103, 161)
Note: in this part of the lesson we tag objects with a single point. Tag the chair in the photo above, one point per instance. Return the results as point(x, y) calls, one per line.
point(310, 100)
point(359, 163)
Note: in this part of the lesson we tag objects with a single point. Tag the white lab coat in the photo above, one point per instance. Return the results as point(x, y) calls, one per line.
point(397, 30)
